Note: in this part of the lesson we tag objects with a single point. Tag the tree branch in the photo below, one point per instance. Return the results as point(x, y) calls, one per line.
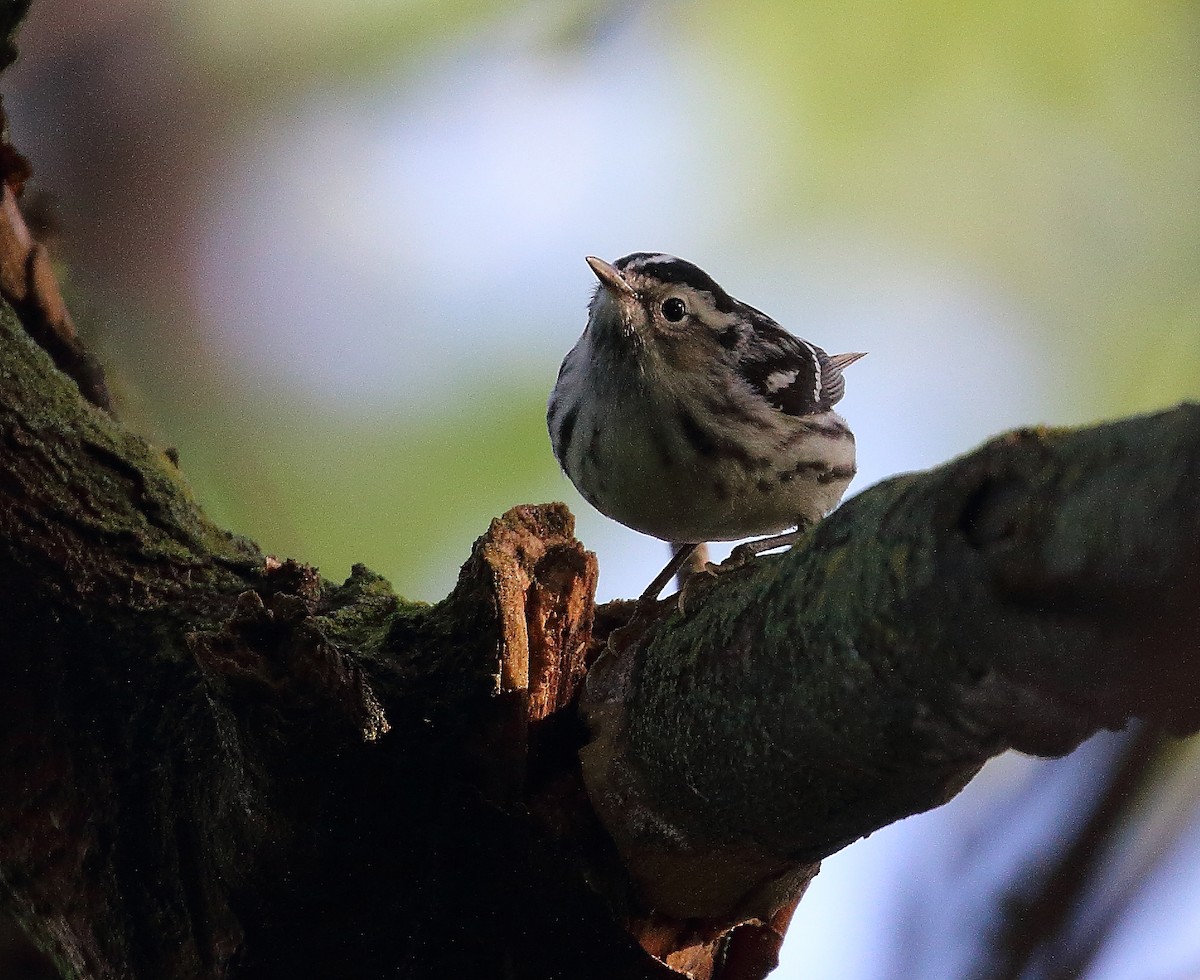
point(213, 764)
point(187, 718)
point(200, 739)
point(1023, 596)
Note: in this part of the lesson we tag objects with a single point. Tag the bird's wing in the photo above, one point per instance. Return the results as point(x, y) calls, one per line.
point(794, 376)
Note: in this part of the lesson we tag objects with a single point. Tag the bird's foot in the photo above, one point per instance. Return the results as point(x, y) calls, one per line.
point(746, 552)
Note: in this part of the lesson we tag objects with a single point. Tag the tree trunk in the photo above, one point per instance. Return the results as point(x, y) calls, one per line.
point(214, 764)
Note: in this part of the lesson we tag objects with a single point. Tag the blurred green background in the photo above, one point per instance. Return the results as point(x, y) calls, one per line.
point(334, 252)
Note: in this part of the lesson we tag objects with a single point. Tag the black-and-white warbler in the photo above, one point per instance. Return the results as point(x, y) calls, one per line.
point(688, 415)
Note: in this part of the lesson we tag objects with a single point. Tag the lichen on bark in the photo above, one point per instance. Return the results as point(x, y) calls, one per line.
point(1026, 595)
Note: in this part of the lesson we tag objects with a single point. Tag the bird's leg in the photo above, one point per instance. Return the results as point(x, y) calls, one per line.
point(740, 556)
point(697, 562)
point(751, 549)
point(682, 554)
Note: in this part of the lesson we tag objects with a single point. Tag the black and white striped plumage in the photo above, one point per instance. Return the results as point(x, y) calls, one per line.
point(688, 415)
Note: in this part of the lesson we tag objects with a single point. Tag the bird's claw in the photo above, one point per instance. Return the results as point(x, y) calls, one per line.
point(707, 573)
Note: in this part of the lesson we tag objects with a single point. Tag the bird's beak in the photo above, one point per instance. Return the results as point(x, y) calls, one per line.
point(609, 277)
point(841, 361)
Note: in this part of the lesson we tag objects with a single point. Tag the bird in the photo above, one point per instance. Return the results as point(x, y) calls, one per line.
point(688, 415)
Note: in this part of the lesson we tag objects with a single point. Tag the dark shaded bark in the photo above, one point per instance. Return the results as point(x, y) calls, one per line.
point(1024, 596)
point(214, 764)
point(217, 765)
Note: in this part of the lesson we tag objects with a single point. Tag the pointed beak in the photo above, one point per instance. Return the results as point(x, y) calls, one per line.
point(609, 277)
point(842, 361)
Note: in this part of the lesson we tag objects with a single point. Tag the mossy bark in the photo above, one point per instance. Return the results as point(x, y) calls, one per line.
point(1024, 596)
point(213, 764)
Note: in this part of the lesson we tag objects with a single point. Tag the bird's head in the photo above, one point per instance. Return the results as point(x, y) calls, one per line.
point(653, 301)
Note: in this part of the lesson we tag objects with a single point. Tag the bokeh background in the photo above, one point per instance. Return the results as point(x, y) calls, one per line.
point(333, 253)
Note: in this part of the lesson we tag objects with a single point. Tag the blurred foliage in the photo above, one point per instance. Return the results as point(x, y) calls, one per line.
point(297, 39)
point(269, 48)
point(1054, 147)
point(403, 494)
point(1051, 149)
point(1048, 151)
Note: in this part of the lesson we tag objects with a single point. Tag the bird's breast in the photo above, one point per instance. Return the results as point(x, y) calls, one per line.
point(698, 469)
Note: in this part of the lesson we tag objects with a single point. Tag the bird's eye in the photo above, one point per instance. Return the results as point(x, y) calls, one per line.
point(673, 309)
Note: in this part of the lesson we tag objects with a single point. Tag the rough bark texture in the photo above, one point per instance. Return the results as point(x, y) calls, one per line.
point(216, 765)
point(213, 764)
point(1024, 596)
